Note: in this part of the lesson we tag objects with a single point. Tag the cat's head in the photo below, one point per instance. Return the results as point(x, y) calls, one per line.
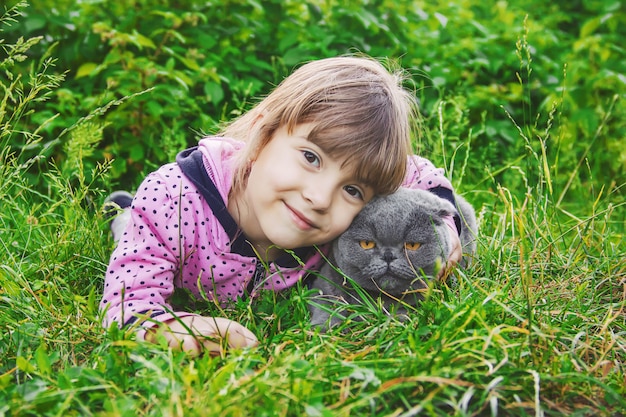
point(395, 242)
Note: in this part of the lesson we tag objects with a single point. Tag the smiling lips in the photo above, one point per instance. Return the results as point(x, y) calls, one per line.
point(300, 219)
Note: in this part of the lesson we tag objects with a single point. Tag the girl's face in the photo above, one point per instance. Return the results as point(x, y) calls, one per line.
point(297, 195)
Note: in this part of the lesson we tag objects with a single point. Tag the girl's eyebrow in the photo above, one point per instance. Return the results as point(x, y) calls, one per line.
point(361, 182)
point(325, 151)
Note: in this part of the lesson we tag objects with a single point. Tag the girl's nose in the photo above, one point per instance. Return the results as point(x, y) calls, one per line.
point(318, 196)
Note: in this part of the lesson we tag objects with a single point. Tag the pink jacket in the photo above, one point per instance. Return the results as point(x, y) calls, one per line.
point(174, 240)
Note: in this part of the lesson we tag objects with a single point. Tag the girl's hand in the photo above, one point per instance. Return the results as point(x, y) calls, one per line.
point(456, 253)
point(197, 334)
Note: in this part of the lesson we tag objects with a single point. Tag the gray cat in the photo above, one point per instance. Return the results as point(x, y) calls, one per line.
point(393, 245)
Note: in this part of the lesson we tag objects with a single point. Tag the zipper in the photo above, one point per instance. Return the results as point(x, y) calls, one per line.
point(257, 278)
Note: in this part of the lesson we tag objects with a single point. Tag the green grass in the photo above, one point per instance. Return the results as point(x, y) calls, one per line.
point(536, 325)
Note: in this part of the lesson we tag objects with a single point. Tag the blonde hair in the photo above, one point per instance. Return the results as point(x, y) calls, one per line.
point(360, 112)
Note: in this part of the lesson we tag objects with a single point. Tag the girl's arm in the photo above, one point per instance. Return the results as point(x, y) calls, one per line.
point(422, 174)
point(140, 276)
point(141, 273)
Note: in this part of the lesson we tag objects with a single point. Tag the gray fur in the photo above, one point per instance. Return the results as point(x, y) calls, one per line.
point(389, 271)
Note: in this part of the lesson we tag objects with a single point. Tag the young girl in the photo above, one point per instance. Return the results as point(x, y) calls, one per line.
point(248, 210)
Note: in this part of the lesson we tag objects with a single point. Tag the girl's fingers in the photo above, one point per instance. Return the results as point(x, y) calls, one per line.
point(188, 344)
point(237, 335)
point(194, 334)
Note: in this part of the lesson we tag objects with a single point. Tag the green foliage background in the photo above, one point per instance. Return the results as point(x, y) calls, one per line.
point(522, 103)
point(476, 65)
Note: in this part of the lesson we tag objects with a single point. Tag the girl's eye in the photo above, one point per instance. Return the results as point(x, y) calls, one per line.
point(354, 192)
point(311, 158)
point(367, 244)
point(412, 245)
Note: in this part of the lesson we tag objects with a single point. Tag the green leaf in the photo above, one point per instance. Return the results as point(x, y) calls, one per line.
point(176, 21)
point(86, 69)
point(589, 27)
point(43, 360)
point(7, 281)
point(24, 365)
point(140, 40)
point(136, 152)
point(189, 63)
point(294, 56)
point(183, 79)
point(6, 380)
point(35, 22)
point(214, 92)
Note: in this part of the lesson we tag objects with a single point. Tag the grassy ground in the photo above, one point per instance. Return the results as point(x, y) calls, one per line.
point(536, 325)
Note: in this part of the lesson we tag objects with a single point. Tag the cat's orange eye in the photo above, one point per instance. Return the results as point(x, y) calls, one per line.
point(412, 245)
point(367, 244)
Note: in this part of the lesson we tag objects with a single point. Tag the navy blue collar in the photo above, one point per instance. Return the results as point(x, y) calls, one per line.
point(191, 163)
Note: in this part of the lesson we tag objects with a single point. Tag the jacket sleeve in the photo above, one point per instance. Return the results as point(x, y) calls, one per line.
point(140, 276)
point(422, 174)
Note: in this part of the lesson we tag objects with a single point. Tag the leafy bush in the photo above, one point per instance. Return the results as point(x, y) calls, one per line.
point(476, 65)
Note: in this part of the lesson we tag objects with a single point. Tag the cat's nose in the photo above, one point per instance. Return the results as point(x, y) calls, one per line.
point(388, 256)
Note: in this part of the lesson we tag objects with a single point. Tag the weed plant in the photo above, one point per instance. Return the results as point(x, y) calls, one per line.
point(536, 325)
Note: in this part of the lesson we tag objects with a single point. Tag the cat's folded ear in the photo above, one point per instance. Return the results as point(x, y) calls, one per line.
point(425, 201)
point(442, 208)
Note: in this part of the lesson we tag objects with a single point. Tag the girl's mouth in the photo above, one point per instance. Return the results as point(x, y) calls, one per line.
point(300, 219)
